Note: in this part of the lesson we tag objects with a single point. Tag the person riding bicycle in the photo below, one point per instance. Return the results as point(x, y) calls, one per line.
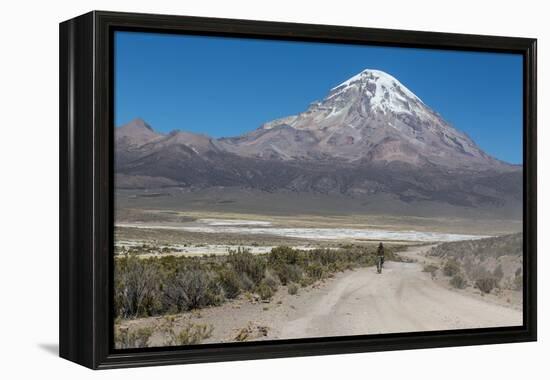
point(380, 253)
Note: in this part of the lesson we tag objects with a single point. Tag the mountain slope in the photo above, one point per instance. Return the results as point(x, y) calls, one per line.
point(371, 117)
point(369, 136)
point(130, 138)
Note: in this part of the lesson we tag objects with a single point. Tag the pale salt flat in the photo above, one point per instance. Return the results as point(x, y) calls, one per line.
point(229, 226)
point(234, 222)
point(336, 233)
point(201, 249)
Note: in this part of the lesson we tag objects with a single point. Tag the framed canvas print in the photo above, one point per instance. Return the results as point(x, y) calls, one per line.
point(238, 189)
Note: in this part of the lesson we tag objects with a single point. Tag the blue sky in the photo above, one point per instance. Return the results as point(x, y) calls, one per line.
point(227, 86)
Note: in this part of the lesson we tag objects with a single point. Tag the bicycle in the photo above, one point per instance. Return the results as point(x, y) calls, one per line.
point(379, 264)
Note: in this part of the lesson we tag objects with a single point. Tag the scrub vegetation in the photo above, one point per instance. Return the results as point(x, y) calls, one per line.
point(167, 285)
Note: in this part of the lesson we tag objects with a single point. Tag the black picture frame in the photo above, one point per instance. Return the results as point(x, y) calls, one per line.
point(86, 189)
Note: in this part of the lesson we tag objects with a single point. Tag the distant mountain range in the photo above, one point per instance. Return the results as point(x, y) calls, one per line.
point(369, 135)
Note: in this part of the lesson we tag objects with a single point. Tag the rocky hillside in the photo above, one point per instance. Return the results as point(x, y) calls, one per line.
point(499, 258)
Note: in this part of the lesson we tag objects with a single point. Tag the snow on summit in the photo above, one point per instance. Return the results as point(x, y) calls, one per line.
point(385, 92)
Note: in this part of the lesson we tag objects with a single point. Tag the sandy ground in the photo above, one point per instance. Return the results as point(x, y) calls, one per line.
point(294, 209)
point(401, 299)
point(175, 216)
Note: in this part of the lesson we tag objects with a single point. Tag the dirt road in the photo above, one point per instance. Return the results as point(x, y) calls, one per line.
point(401, 299)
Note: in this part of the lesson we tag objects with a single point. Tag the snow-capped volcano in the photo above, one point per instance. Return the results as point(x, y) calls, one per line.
point(371, 116)
point(370, 138)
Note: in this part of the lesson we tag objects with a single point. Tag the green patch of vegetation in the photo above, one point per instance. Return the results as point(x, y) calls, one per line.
point(486, 285)
point(242, 335)
point(126, 338)
point(315, 271)
point(193, 334)
point(292, 289)
point(264, 291)
point(251, 331)
point(272, 280)
point(162, 285)
point(137, 290)
point(451, 268)
point(247, 265)
point(188, 288)
point(189, 333)
point(230, 282)
point(458, 281)
point(430, 268)
point(306, 281)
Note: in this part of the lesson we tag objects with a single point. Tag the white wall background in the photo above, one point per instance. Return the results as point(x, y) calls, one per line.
point(29, 186)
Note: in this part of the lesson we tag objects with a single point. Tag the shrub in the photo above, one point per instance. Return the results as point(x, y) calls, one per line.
point(328, 256)
point(193, 334)
point(430, 268)
point(172, 284)
point(451, 268)
point(246, 283)
point(283, 255)
point(243, 334)
point(272, 280)
point(188, 288)
point(251, 332)
point(292, 289)
point(478, 272)
point(264, 291)
point(458, 281)
point(230, 282)
point(288, 273)
point(124, 338)
point(498, 273)
point(315, 271)
point(136, 287)
point(244, 262)
point(486, 285)
point(306, 281)
point(215, 293)
point(339, 266)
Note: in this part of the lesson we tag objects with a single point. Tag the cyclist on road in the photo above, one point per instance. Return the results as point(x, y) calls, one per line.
point(380, 253)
